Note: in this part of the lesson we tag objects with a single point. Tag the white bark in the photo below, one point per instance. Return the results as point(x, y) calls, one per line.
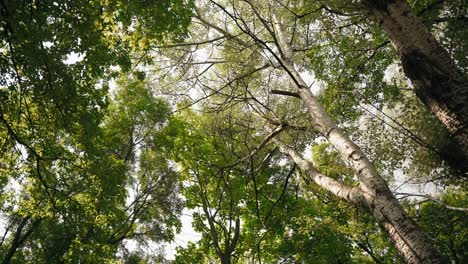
point(350, 194)
point(373, 192)
point(409, 240)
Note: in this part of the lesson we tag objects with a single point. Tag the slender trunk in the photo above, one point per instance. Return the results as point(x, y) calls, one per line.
point(437, 81)
point(373, 192)
point(369, 251)
point(225, 259)
point(377, 197)
point(409, 240)
point(224, 253)
point(20, 238)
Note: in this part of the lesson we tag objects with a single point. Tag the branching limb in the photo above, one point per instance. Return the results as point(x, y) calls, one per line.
point(287, 93)
point(342, 191)
point(433, 199)
point(268, 138)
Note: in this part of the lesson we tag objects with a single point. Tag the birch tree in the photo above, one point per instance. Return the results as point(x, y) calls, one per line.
point(267, 40)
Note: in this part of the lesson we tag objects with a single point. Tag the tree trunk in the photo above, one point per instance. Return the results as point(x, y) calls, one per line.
point(373, 192)
point(225, 259)
point(409, 240)
point(377, 197)
point(437, 81)
point(19, 238)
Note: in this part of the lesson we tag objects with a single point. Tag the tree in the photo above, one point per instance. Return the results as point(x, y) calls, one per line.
point(83, 171)
point(264, 37)
point(227, 185)
point(114, 187)
point(449, 227)
point(212, 186)
point(63, 181)
point(438, 79)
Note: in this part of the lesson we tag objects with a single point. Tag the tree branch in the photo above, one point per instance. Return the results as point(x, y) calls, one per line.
point(430, 198)
point(287, 93)
point(342, 191)
point(265, 141)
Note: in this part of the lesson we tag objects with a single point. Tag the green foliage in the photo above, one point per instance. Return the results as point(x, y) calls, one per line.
point(190, 254)
point(67, 160)
point(351, 62)
point(448, 20)
point(278, 221)
point(327, 160)
point(80, 210)
point(351, 59)
point(83, 171)
point(446, 228)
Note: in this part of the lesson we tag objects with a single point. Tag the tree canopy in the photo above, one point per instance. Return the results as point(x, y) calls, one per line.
point(290, 131)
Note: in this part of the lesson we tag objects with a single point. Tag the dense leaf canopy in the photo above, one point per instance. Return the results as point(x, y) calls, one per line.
point(117, 117)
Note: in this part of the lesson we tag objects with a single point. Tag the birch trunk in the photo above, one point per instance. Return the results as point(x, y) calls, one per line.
point(409, 241)
point(408, 238)
point(373, 192)
point(437, 81)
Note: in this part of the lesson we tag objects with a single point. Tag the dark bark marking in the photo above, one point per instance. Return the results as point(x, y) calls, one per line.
point(442, 92)
point(327, 134)
point(380, 5)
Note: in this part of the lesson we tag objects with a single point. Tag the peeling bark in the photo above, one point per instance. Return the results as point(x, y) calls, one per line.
point(409, 239)
point(440, 85)
point(373, 192)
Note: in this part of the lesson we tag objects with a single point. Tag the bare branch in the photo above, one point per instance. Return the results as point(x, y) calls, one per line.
point(287, 93)
point(433, 199)
point(270, 136)
point(174, 45)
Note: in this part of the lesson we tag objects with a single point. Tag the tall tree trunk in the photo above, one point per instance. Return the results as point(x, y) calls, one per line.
point(437, 81)
point(408, 239)
point(377, 197)
point(373, 192)
point(19, 238)
point(225, 259)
